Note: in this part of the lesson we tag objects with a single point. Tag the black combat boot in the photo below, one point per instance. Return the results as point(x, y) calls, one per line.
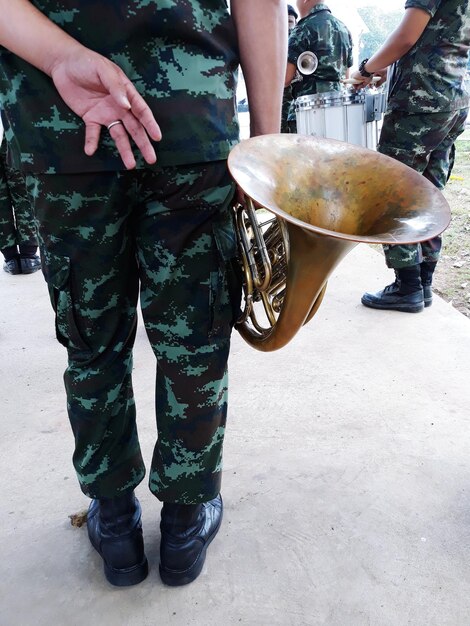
point(12, 266)
point(29, 260)
point(12, 260)
point(187, 530)
point(115, 531)
point(405, 294)
point(427, 270)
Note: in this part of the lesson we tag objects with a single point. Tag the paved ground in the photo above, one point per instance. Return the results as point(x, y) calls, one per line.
point(347, 479)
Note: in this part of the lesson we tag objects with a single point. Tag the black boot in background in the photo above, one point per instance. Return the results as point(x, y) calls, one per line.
point(427, 270)
point(12, 260)
point(405, 294)
point(187, 530)
point(29, 259)
point(115, 531)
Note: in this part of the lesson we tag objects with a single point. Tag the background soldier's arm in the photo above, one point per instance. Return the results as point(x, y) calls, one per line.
point(290, 73)
point(262, 37)
point(401, 40)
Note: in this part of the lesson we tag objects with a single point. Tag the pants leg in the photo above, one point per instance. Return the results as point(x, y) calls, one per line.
point(7, 218)
point(186, 240)
point(423, 142)
point(17, 224)
point(26, 229)
point(86, 238)
point(438, 171)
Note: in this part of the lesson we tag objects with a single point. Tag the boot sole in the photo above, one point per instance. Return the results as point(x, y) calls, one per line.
point(127, 577)
point(123, 577)
point(403, 308)
point(31, 271)
point(177, 579)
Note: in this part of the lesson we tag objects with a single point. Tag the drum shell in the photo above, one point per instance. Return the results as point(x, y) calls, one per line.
point(349, 117)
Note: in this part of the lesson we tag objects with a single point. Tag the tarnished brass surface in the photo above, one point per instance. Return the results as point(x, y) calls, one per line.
point(332, 195)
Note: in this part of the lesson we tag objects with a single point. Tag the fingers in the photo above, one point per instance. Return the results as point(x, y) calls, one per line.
point(120, 134)
point(143, 113)
point(115, 82)
point(123, 145)
point(137, 118)
point(121, 139)
point(140, 137)
point(92, 137)
point(126, 95)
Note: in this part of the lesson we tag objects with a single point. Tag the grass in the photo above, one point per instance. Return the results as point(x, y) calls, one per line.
point(452, 278)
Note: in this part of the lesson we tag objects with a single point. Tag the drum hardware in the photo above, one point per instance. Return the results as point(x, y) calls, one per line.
point(376, 104)
point(346, 115)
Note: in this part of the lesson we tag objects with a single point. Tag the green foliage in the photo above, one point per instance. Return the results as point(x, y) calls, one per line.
point(380, 24)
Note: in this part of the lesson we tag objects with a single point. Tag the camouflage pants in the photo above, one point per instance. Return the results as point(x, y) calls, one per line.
point(287, 105)
point(168, 231)
point(424, 142)
point(16, 217)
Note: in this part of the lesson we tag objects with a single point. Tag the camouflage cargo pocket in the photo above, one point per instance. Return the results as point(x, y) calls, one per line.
point(226, 282)
point(57, 272)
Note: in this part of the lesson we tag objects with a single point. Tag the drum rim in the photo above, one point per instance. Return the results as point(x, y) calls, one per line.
point(329, 99)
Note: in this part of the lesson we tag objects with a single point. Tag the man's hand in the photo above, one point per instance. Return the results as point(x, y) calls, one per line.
point(359, 81)
point(382, 75)
point(100, 93)
point(92, 86)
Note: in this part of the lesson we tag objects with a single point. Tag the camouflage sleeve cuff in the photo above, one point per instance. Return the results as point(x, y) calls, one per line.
point(430, 6)
point(299, 41)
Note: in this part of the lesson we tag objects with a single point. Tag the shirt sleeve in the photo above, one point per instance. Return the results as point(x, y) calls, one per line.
point(300, 40)
point(430, 6)
point(350, 52)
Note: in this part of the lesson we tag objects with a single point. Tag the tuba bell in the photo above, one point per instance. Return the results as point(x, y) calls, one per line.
point(308, 202)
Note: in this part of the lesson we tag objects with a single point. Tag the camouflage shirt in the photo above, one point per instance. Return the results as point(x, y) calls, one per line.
point(430, 77)
point(182, 56)
point(329, 39)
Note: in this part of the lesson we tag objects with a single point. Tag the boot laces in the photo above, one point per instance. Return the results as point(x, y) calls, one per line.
point(395, 286)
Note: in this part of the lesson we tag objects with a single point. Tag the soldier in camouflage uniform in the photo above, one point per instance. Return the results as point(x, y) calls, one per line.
point(320, 32)
point(18, 238)
point(287, 100)
point(111, 224)
point(427, 110)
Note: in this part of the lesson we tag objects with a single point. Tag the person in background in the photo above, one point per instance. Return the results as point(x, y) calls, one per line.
point(287, 100)
point(114, 221)
point(18, 238)
point(320, 32)
point(426, 56)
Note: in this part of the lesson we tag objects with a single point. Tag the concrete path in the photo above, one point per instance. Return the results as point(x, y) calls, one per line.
point(346, 484)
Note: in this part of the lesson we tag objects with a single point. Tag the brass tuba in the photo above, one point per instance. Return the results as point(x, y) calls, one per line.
point(309, 202)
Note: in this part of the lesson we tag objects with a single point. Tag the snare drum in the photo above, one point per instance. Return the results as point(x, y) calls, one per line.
point(347, 116)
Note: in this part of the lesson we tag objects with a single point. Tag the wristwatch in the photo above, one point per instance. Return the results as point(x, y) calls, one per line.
point(362, 71)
